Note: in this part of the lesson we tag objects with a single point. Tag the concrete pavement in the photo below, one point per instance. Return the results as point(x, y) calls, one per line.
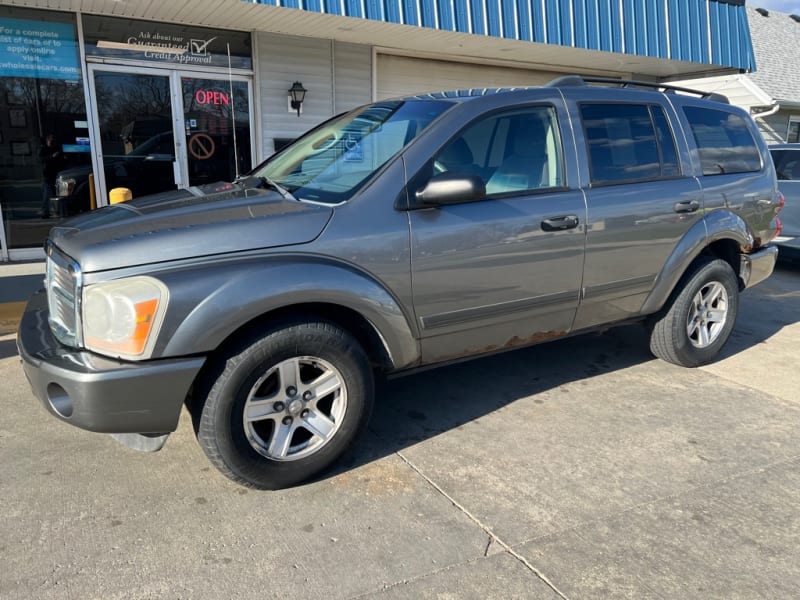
point(17, 282)
point(579, 469)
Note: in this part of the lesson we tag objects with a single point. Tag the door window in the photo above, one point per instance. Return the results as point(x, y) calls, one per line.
point(216, 115)
point(513, 152)
point(135, 120)
point(628, 143)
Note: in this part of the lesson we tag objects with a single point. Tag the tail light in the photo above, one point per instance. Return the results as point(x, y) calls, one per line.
point(776, 223)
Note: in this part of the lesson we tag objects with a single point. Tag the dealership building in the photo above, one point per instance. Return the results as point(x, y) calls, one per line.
point(151, 96)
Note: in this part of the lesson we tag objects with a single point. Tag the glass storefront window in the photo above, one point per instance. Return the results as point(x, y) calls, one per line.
point(44, 129)
point(151, 93)
point(166, 44)
point(794, 130)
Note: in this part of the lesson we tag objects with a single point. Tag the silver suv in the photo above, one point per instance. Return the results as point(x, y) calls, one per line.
point(787, 164)
point(404, 233)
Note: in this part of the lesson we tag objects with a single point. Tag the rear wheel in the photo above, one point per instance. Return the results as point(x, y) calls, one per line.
point(282, 406)
point(699, 318)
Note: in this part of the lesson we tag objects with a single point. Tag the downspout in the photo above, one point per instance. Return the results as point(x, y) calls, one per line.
point(775, 108)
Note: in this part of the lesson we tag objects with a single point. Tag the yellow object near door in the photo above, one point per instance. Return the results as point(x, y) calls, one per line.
point(92, 196)
point(118, 195)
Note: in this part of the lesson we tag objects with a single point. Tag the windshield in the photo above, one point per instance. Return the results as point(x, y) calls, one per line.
point(330, 163)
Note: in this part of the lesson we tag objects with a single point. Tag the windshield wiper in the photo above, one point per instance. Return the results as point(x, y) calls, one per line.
point(262, 181)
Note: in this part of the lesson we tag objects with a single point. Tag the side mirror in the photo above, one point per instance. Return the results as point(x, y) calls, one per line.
point(450, 188)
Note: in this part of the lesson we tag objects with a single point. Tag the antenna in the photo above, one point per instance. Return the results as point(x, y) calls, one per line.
point(233, 115)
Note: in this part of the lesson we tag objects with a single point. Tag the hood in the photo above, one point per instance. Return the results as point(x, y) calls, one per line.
point(78, 173)
point(212, 219)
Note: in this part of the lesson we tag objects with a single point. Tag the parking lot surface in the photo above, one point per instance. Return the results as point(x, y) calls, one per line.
point(583, 468)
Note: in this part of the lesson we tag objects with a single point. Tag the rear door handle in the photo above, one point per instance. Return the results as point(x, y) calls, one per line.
point(686, 207)
point(560, 223)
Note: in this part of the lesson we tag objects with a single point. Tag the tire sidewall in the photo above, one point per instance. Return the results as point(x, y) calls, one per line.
point(223, 412)
point(715, 270)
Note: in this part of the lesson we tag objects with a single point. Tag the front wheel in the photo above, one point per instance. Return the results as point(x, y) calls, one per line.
point(282, 406)
point(699, 318)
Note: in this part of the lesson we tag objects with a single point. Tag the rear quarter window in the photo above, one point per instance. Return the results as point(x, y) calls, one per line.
point(724, 141)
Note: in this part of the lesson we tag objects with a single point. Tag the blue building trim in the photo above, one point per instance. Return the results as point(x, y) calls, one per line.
point(705, 31)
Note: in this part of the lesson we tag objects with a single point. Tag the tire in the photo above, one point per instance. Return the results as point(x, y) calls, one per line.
point(281, 406)
point(699, 317)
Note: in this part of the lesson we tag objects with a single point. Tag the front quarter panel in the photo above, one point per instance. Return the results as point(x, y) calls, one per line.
point(210, 301)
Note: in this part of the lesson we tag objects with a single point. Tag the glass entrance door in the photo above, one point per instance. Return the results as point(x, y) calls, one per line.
point(216, 116)
point(139, 113)
point(135, 125)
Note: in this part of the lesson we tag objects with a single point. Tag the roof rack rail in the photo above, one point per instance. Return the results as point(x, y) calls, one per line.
point(578, 80)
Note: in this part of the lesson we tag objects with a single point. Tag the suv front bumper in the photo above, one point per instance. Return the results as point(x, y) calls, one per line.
point(98, 393)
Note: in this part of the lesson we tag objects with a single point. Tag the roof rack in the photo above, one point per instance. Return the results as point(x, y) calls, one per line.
point(577, 80)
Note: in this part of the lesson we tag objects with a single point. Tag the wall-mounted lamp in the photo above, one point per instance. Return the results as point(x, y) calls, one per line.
point(297, 93)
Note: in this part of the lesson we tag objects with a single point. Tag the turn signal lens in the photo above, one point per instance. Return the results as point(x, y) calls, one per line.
point(122, 317)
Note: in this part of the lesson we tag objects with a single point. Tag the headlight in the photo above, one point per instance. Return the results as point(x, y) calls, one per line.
point(123, 317)
point(64, 186)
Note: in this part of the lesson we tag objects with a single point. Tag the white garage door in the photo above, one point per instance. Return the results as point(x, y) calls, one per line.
point(403, 76)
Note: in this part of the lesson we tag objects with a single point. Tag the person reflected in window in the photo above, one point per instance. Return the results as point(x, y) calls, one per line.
point(52, 158)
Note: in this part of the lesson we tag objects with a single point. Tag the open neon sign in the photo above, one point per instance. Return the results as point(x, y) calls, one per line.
point(212, 97)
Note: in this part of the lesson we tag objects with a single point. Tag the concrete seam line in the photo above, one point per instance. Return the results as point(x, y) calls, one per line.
point(485, 528)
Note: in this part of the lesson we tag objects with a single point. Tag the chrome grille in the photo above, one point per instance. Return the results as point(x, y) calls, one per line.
point(63, 283)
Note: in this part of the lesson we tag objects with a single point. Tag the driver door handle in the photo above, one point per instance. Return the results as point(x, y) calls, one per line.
point(686, 207)
point(560, 223)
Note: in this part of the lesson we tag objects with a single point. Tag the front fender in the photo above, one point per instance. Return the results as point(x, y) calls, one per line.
point(715, 226)
point(209, 302)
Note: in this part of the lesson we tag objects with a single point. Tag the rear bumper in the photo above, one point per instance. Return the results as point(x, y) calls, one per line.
point(97, 393)
point(756, 267)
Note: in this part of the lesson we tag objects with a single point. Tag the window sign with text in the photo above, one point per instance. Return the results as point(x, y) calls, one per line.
point(166, 43)
point(38, 49)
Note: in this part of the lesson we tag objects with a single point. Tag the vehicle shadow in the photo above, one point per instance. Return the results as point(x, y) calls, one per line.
point(414, 408)
point(417, 407)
